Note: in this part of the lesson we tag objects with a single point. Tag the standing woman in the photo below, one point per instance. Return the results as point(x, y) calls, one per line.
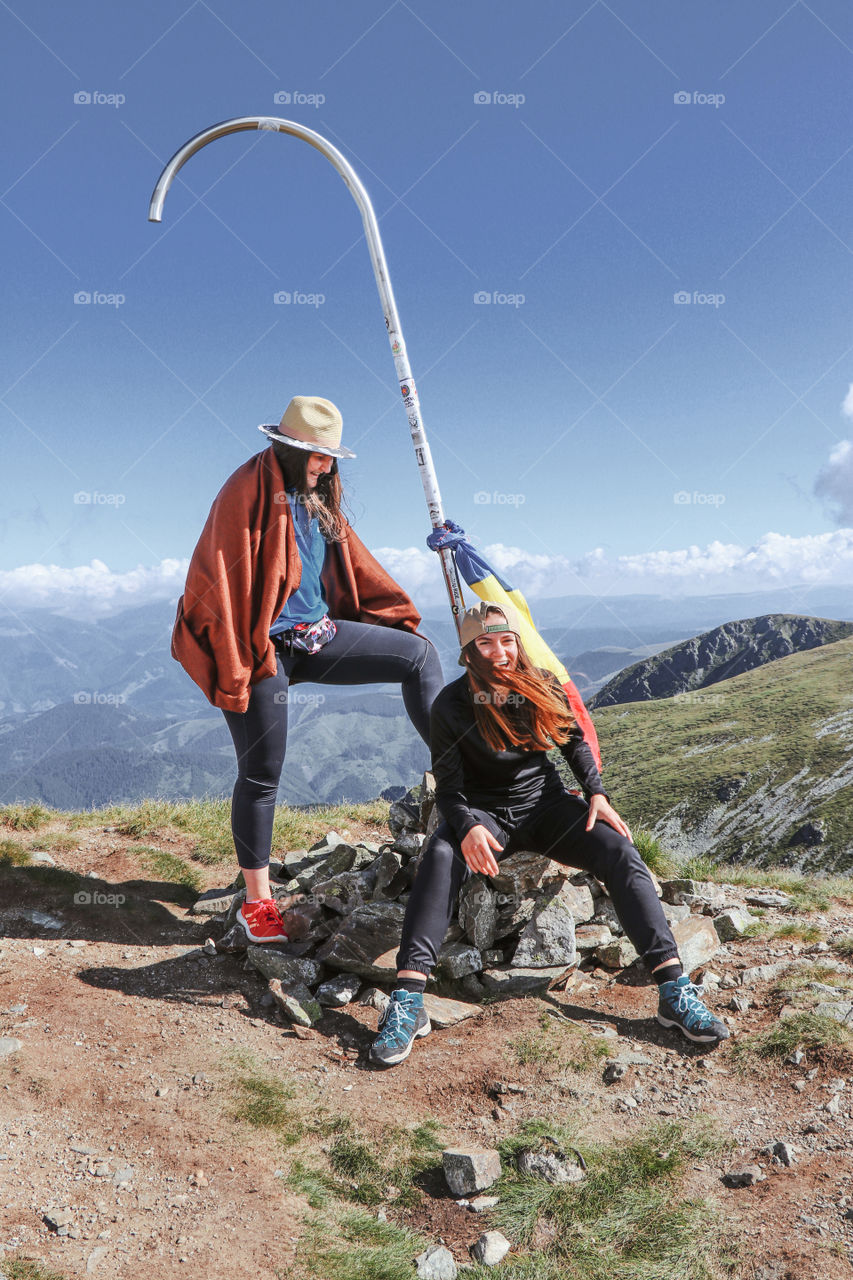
point(498, 792)
point(280, 589)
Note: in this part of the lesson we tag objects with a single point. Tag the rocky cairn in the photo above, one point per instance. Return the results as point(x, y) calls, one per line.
point(518, 933)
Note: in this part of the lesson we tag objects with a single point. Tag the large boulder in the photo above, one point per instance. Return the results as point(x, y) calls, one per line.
point(366, 941)
point(478, 912)
point(548, 938)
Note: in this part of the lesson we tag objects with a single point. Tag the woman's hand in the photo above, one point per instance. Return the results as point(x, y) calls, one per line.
point(600, 807)
point(477, 850)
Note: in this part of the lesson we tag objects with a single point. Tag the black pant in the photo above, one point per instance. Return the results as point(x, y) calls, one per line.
point(358, 654)
point(552, 825)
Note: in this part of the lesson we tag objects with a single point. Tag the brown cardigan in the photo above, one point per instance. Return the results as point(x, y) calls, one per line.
point(243, 569)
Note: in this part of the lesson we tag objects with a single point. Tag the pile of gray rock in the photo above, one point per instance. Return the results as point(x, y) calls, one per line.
point(517, 933)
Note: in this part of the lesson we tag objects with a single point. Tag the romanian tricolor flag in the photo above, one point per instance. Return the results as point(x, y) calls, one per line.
point(486, 583)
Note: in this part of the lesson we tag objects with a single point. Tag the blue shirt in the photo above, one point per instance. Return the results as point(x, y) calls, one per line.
point(308, 601)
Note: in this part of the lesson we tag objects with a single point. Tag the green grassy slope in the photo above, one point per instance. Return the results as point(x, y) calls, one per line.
point(732, 772)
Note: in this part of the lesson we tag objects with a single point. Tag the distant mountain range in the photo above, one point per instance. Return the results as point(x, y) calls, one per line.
point(98, 712)
point(718, 655)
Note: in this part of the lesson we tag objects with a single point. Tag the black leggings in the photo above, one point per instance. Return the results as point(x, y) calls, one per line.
point(358, 654)
point(554, 826)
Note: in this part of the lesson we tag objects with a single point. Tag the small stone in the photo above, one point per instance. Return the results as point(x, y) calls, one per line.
point(198, 1178)
point(740, 1003)
point(59, 1220)
point(373, 998)
point(491, 1248)
point(436, 1263)
point(834, 1105)
point(767, 898)
point(794, 1059)
point(697, 941)
point(339, 991)
point(458, 959)
point(443, 1012)
point(733, 923)
point(614, 1071)
point(590, 936)
point(8, 1044)
point(548, 1165)
point(481, 1204)
point(745, 1177)
point(785, 1152)
point(617, 954)
point(209, 948)
point(162, 1092)
point(470, 1169)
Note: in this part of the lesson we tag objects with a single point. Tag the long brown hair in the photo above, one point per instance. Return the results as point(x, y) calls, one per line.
point(544, 718)
point(322, 503)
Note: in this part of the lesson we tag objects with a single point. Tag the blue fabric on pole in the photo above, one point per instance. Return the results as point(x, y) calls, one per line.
point(450, 535)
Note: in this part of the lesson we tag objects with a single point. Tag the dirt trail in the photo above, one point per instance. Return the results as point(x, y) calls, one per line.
point(118, 1104)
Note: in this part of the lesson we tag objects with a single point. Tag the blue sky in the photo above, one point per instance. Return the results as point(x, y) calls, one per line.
point(591, 430)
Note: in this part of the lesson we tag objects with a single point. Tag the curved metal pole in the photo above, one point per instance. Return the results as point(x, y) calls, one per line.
point(408, 390)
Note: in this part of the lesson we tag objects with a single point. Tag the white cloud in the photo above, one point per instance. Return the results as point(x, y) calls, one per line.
point(775, 560)
point(834, 482)
point(91, 590)
point(847, 403)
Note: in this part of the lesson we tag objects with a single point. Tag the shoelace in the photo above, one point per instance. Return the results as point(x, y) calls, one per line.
point(268, 913)
point(397, 1014)
point(689, 1002)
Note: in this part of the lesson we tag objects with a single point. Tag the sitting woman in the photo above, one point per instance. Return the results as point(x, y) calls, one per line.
point(498, 792)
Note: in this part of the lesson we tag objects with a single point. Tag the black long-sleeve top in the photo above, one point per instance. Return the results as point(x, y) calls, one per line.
point(468, 772)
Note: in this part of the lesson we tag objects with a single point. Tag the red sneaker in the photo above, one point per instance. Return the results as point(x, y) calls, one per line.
point(262, 921)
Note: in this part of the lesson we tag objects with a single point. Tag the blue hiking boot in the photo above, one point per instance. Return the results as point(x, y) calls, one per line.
point(403, 1020)
point(680, 1006)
